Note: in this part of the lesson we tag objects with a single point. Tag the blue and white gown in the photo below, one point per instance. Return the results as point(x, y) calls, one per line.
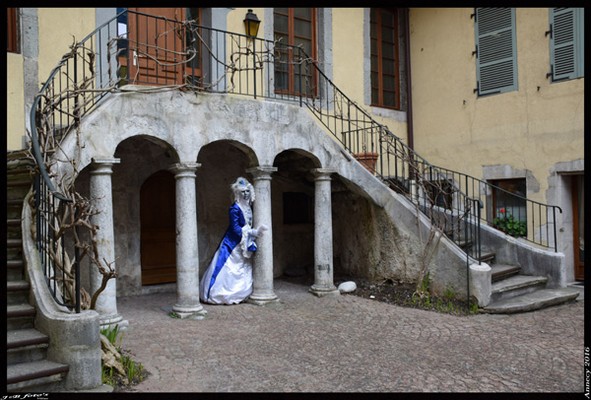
point(228, 278)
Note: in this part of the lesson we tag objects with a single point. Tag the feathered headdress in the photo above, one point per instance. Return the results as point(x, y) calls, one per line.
point(241, 184)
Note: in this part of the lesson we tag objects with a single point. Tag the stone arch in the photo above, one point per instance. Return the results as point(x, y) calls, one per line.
point(221, 162)
point(141, 157)
point(293, 213)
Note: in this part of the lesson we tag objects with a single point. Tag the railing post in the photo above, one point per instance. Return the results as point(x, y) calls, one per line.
point(554, 226)
point(300, 74)
point(254, 64)
point(77, 267)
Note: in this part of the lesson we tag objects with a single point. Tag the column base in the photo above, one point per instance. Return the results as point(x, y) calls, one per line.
point(261, 300)
point(193, 312)
point(107, 321)
point(322, 291)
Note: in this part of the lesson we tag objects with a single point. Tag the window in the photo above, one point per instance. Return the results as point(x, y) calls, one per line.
point(385, 77)
point(509, 206)
point(152, 45)
point(12, 30)
point(567, 52)
point(496, 50)
point(294, 27)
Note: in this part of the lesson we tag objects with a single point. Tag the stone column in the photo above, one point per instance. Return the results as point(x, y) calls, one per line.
point(262, 269)
point(102, 198)
point(187, 253)
point(323, 265)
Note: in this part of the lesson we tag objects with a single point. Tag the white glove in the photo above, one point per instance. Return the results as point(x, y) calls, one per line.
point(259, 231)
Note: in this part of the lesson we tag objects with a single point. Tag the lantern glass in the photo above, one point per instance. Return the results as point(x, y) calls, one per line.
point(251, 24)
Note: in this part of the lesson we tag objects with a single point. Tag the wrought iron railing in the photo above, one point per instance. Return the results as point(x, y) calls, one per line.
point(156, 53)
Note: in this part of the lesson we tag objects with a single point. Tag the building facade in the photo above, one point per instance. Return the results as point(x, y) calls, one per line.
point(445, 110)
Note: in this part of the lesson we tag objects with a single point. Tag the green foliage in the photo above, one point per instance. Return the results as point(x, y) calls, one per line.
point(111, 333)
point(509, 225)
point(449, 294)
point(133, 371)
point(107, 376)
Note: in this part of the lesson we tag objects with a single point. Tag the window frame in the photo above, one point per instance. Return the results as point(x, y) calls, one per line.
point(291, 74)
point(501, 186)
point(379, 86)
point(559, 52)
point(12, 30)
point(491, 42)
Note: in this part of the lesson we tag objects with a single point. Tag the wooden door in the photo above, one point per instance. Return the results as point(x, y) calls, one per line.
point(578, 197)
point(156, 46)
point(158, 229)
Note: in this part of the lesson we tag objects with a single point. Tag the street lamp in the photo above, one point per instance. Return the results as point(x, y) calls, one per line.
point(251, 24)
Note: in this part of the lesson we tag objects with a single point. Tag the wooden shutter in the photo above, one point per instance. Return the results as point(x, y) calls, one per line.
point(12, 29)
point(295, 27)
point(496, 52)
point(566, 43)
point(385, 77)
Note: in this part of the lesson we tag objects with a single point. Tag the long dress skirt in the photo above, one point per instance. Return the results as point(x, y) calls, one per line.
point(228, 278)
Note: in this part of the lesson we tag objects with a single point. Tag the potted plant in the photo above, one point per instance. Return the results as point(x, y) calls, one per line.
point(505, 222)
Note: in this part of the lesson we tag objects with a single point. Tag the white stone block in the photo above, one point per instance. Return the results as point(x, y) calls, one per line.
point(347, 287)
point(481, 283)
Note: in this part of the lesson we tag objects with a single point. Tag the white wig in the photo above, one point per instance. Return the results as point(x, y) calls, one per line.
point(241, 184)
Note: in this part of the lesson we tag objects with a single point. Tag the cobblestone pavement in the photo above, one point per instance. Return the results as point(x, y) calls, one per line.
point(350, 344)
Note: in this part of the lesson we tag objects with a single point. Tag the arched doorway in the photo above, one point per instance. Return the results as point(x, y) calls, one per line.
point(158, 227)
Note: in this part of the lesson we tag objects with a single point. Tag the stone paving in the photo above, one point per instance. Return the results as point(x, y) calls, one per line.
point(350, 344)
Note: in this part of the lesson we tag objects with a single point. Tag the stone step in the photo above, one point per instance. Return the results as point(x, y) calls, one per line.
point(14, 243)
point(20, 311)
point(516, 285)
point(532, 301)
point(502, 271)
point(14, 269)
point(580, 287)
point(487, 257)
point(17, 292)
point(25, 337)
point(21, 376)
point(18, 192)
point(20, 316)
point(25, 345)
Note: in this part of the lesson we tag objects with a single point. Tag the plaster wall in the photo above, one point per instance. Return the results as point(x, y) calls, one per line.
point(529, 129)
point(15, 102)
point(58, 29)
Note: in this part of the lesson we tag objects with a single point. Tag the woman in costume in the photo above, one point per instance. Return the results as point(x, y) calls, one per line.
point(228, 278)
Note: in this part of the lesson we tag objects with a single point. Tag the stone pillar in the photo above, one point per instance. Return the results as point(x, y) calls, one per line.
point(262, 269)
point(480, 283)
point(323, 265)
point(102, 199)
point(187, 253)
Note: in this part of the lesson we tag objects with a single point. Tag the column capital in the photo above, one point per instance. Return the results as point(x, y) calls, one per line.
point(184, 169)
point(262, 171)
point(103, 165)
point(184, 166)
point(323, 173)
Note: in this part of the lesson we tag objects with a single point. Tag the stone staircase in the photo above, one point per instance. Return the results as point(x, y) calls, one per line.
point(513, 292)
point(28, 368)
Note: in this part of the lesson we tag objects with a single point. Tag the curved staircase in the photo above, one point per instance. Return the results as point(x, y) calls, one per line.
point(28, 368)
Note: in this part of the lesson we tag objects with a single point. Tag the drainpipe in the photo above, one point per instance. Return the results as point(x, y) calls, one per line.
point(408, 83)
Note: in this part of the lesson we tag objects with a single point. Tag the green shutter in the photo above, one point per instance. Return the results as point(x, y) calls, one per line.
point(566, 43)
point(496, 52)
point(580, 35)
